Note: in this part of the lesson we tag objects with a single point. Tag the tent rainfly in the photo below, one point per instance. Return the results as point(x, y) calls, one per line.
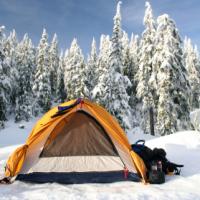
point(76, 142)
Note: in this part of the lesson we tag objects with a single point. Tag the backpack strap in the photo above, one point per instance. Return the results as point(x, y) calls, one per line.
point(174, 168)
point(138, 146)
point(177, 171)
point(140, 142)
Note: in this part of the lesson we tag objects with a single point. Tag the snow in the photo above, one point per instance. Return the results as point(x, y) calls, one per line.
point(182, 148)
point(195, 119)
point(13, 134)
point(138, 134)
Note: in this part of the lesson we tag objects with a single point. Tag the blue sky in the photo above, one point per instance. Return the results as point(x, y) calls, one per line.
point(84, 19)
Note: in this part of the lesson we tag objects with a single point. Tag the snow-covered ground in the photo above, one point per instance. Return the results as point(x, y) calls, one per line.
point(13, 135)
point(182, 147)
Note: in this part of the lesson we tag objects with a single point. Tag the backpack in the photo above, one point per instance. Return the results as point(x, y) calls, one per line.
point(144, 152)
point(150, 156)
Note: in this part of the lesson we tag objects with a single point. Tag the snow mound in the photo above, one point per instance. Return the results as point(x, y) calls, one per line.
point(189, 139)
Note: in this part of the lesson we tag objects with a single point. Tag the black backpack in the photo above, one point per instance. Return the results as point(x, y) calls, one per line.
point(150, 156)
point(144, 152)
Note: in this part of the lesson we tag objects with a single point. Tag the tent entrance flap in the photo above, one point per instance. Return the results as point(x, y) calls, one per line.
point(81, 135)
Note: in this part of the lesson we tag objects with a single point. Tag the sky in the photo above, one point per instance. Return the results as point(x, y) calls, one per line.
point(85, 19)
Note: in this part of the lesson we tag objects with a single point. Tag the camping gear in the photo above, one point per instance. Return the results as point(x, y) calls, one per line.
point(156, 162)
point(156, 175)
point(77, 142)
point(144, 152)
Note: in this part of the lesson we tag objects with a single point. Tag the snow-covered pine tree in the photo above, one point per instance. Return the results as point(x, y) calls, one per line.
point(75, 73)
point(103, 58)
point(192, 63)
point(54, 63)
point(32, 59)
point(145, 88)
point(126, 59)
point(25, 62)
point(41, 86)
point(133, 69)
point(10, 50)
point(101, 71)
point(125, 54)
point(60, 90)
point(116, 84)
point(91, 68)
point(173, 86)
point(134, 51)
point(2, 77)
point(5, 85)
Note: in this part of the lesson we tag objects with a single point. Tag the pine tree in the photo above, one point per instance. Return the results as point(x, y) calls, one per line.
point(25, 63)
point(125, 53)
point(173, 88)
point(98, 92)
point(75, 73)
point(126, 59)
point(133, 69)
point(54, 64)
point(10, 50)
point(145, 89)
point(192, 63)
point(4, 81)
point(117, 83)
point(134, 51)
point(91, 68)
point(60, 91)
point(103, 58)
point(41, 86)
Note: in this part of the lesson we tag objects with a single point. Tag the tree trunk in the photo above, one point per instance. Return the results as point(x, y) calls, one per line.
point(151, 121)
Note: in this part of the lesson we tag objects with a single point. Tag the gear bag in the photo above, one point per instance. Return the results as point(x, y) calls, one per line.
point(150, 157)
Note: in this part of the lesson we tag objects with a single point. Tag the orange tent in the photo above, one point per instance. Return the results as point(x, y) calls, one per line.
point(75, 139)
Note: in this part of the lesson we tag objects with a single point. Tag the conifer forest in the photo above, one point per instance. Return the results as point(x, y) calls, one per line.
point(129, 75)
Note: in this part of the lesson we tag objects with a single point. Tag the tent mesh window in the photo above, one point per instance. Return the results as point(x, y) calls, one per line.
point(79, 135)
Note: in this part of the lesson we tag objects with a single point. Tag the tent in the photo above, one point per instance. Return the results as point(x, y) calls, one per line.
point(76, 142)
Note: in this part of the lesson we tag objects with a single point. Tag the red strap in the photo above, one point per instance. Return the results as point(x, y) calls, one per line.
point(81, 103)
point(125, 172)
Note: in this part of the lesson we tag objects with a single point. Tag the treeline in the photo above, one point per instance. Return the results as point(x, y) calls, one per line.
point(128, 76)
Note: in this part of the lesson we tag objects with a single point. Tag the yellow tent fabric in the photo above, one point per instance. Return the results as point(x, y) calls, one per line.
point(47, 124)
